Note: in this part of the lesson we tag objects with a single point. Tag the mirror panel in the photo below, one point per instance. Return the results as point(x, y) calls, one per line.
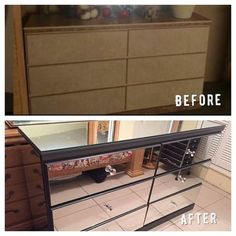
point(54, 136)
point(81, 177)
point(86, 215)
point(171, 204)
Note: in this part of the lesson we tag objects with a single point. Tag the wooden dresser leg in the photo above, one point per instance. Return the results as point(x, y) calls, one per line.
point(135, 167)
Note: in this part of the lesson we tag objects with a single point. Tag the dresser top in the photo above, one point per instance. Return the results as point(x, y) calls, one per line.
point(59, 22)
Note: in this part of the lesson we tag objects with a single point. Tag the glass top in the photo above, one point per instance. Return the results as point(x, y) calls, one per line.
point(51, 135)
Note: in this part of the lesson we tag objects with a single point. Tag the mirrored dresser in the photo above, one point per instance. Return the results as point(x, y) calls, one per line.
point(136, 181)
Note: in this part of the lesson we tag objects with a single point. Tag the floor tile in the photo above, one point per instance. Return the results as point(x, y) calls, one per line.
point(144, 185)
point(214, 188)
point(90, 186)
point(172, 227)
point(171, 204)
point(207, 196)
point(162, 226)
point(135, 220)
point(132, 221)
point(124, 179)
point(111, 196)
point(178, 218)
point(222, 208)
point(71, 209)
point(195, 226)
point(82, 219)
point(65, 191)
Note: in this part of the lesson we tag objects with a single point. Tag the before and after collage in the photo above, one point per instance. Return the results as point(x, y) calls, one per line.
point(117, 117)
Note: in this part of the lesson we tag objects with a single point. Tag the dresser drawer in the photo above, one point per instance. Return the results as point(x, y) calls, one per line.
point(33, 173)
point(17, 212)
point(35, 188)
point(13, 156)
point(38, 206)
point(92, 102)
point(72, 47)
point(166, 68)
point(40, 223)
point(47, 80)
point(168, 41)
point(15, 193)
point(160, 94)
point(29, 155)
point(14, 175)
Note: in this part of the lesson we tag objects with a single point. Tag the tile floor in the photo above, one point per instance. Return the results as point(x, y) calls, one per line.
point(84, 214)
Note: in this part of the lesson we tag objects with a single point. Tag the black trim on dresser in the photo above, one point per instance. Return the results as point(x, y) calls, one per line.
point(166, 218)
point(97, 149)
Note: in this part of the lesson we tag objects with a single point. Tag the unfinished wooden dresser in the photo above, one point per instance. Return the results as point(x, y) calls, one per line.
point(112, 66)
point(25, 207)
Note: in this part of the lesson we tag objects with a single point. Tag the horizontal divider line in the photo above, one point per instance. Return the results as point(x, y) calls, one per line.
point(179, 149)
point(121, 86)
point(166, 218)
point(172, 152)
point(115, 59)
point(178, 192)
point(77, 200)
point(114, 218)
point(140, 207)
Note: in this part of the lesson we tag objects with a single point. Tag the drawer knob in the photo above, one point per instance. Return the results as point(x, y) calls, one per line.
point(40, 204)
point(9, 195)
point(12, 211)
point(109, 207)
point(36, 171)
point(38, 186)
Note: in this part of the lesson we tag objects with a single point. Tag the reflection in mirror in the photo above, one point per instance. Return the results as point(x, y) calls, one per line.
point(81, 177)
point(168, 205)
point(47, 137)
point(89, 214)
point(105, 131)
point(57, 135)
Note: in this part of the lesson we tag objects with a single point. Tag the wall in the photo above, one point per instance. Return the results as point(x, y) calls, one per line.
point(9, 42)
point(219, 39)
point(208, 173)
point(138, 129)
point(9, 51)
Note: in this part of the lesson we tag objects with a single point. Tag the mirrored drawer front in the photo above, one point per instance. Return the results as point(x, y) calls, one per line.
point(166, 68)
point(168, 41)
point(161, 94)
point(78, 185)
point(72, 47)
point(90, 214)
point(48, 80)
point(17, 212)
point(130, 222)
point(92, 102)
point(167, 185)
point(172, 204)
